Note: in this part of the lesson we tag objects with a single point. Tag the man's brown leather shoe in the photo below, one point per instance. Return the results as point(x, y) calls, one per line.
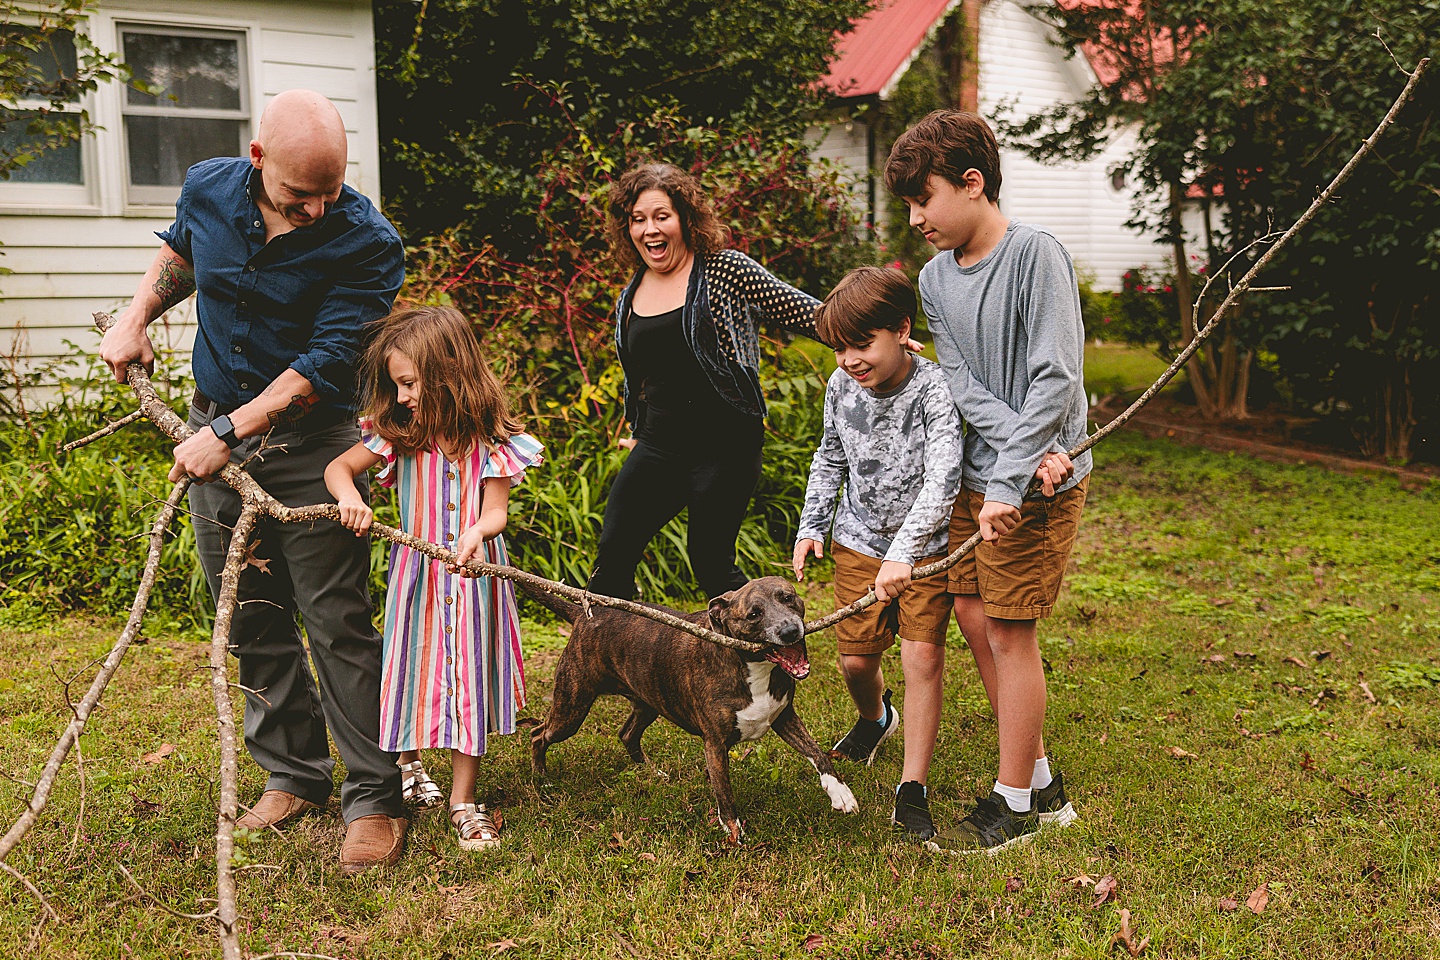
point(373, 841)
point(275, 808)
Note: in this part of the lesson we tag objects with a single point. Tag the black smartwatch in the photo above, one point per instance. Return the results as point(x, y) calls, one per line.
point(225, 430)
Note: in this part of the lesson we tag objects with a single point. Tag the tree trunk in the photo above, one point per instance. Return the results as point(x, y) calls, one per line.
point(1219, 372)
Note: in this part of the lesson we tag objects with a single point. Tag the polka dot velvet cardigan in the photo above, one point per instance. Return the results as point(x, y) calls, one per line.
point(728, 298)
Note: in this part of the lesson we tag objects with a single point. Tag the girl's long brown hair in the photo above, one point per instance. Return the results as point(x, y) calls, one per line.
point(461, 399)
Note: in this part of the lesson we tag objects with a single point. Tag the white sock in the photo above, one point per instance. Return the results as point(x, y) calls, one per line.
point(1041, 778)
point(1016, 798)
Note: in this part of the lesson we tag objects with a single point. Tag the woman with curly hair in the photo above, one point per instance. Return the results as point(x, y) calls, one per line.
point(686, 329)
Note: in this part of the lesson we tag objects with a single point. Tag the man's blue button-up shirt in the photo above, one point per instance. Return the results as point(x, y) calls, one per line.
point(300, 301)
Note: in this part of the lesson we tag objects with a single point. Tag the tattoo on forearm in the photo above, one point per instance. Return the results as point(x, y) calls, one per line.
point(175, 283)
point(299, 406)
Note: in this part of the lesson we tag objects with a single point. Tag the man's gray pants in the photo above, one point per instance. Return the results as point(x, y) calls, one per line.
point(320, 571)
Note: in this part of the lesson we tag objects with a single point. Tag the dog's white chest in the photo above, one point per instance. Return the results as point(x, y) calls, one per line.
point(756, 718)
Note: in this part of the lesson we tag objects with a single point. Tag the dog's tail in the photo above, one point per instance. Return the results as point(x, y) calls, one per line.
point(556, 605)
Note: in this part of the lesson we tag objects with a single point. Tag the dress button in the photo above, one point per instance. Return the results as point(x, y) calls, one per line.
point(450, 475)
point(449, 659)
point(449, 629)
point(449, 536)
point(449, 691)
point(449, 600)
point(449, 506)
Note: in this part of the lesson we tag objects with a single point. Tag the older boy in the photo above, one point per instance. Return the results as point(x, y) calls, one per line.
point(1003, 304)
point(892, 442)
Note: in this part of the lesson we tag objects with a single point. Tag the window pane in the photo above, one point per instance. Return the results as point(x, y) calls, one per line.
point(163, 148)
point(52, 58)
point(54, 164)
point(195, 72)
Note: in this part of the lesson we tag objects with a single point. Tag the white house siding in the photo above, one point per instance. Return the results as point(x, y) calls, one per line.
point(846, 143)
point(72, 258)
point(1020, 70)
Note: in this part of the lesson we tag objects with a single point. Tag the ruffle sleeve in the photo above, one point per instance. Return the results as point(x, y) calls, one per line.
point(512, 457)
point(381, 447)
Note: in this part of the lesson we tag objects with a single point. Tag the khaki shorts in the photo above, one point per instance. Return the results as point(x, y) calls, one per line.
point(921, 613)
point(1018, 576)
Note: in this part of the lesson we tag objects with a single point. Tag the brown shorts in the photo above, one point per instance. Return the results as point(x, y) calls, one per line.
point(921, 613)
point(1018, 576)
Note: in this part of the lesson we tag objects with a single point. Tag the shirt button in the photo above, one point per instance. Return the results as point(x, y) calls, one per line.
point(237, 349)
point(257, 223)
point(250, 267)
point(244, 386)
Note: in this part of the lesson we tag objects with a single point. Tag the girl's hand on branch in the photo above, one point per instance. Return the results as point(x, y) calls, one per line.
point(468, 548)
point(627, 442)
point(355, 515)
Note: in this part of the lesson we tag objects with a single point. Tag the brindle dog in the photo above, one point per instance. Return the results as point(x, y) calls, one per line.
point(717, 693)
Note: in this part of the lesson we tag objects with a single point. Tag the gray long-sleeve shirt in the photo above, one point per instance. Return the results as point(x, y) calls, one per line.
point(1009, 337)
point(897, 456)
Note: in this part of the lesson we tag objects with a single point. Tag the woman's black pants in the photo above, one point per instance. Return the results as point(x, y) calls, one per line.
point(713, 474)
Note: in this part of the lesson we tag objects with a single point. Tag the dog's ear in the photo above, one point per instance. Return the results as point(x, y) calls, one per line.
point(720, 605)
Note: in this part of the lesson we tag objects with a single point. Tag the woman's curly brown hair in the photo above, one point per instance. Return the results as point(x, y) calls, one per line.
point(703, 232)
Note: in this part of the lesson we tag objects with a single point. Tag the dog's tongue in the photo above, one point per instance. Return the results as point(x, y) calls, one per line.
point(792, 659)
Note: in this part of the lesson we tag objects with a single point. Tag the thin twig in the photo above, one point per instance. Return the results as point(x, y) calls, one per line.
point(161, 903)
point(105, 431)
point(227, 908)
point(46, 782)
point(34, 890)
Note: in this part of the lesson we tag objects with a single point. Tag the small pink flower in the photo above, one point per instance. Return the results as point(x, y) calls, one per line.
point(897, 265)
point(1167, 288)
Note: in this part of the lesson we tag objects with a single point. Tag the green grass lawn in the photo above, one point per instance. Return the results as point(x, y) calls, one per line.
point(1209, 667)
point(1120, 368)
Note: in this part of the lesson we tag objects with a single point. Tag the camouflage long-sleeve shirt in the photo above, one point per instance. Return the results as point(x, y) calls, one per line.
point(897, 455)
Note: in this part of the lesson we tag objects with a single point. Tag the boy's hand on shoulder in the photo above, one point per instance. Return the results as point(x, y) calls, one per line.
point(803, 549)
point(892, 580)
point(997, 519)
point(1054, 470)
point(355, 515)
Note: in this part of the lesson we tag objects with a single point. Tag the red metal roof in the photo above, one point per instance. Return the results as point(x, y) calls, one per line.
point(882, 42)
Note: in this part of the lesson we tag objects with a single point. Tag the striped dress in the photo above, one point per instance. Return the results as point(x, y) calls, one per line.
point(452, 670)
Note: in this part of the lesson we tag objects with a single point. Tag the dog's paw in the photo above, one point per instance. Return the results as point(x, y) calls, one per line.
point(841, 797)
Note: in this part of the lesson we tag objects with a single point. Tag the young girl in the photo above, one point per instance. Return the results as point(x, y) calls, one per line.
point(436, 417)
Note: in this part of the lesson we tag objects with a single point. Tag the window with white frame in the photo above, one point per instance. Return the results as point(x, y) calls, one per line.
point(191, 104)
point(54, 172)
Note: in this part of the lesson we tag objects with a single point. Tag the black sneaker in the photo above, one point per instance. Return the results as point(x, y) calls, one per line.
point(1053, 807)
point(863, 741)
point(992, 827)
point(912, 811)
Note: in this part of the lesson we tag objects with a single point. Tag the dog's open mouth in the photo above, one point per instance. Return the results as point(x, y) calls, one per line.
point(792, 659)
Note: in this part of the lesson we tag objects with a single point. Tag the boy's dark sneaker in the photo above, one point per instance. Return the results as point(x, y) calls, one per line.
point(863, 741)
point(990, 828)
point(1052, 806)
point(912, 811)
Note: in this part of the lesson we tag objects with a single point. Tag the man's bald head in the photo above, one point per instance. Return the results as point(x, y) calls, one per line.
point(300, 151)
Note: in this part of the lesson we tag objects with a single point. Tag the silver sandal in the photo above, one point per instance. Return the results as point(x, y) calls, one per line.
point(417, 788)
point(477, 829)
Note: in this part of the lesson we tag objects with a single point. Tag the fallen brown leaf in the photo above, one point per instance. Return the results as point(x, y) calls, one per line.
point(812, 943)
point(1088, 613)
point(1296, 661)
point(1258, 898)
point(1214, 658)
point(499, 945)
point(1104, 890)
point(1080, 881)
point(1365, 689)
point(1181, 754)
point(1014, 884)
point(1104, 736)
point(1307, 762)
point(159, 755)
point(1126, 936)
point(1229, 905)
point(648, 856)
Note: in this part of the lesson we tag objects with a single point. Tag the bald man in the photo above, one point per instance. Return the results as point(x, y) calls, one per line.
point(289, 265)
